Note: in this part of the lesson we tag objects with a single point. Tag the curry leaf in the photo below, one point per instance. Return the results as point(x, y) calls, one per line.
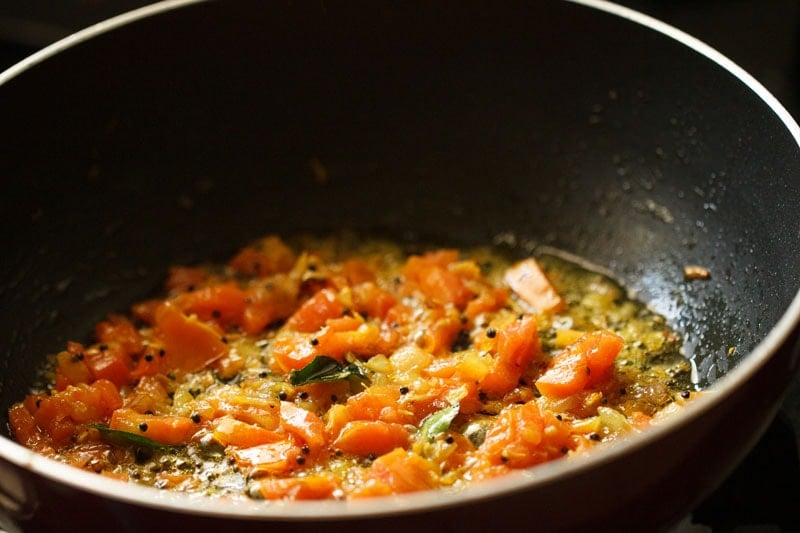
point(438, 422)
point(325, 369)
point(124, 438)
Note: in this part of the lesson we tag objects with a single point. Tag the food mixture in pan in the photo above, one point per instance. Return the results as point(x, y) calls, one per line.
point(341, 368)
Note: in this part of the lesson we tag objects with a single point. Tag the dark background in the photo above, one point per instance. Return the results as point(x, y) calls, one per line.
point(761, 36)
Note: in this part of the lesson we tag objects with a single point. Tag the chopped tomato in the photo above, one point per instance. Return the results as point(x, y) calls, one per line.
point(293, 352)
point(304, 425)
point(149, 395)
point(582, 364)
point(371, 437)
point(264, 257)
point(351, 335)
point(488, 301)
point(231, 432)
point(313, 487)
point(397, 472)
point(379, 402)
point(117, 329)
point(71, 368)
point(315, 311)
point(188, 343)
point(253, 410)
point(60, 415)
point(442, 326)
point(223, 303)
point(111, 362)
point(517, 345)
point(269, 301)
point(529, 281)
point(171, 430)
point(371, 300)
point(523, 436)
point(183, 279)
point(271, 458)
point(429, 274)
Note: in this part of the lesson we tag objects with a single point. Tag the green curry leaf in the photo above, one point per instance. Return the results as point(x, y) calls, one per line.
point(437, 423)
point(325, 369)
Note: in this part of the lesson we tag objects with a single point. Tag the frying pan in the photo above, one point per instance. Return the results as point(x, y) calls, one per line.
point(178, 132)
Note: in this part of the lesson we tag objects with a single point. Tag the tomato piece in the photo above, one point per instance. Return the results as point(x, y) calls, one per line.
point(357, 271)
point(118, 329)
point(372, 301)
point(371, 437)
point(270, 458)
point(351, 335)
point(529, 281)
point(304, 425)
point(315, 311)
point(183, 279)
point(171, 430)
point(313, 487)
point(522, 436)
point(71, 368)
point(222, 303)
point(111, 362)
point(264, 257)
point(517, 344)
point(61, 415)
point(429, 274)
point(582, 364)
point(231, 432)
point(292, 352)
point(487, 301)
point(379, 402)
point(275, 299)
point(149, 395)
point(442, 326)
point(25, 429)
point(189, 344)
point(258, 411)
point(398, 472)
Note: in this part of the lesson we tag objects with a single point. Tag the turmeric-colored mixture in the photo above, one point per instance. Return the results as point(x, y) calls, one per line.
point(339, 367)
